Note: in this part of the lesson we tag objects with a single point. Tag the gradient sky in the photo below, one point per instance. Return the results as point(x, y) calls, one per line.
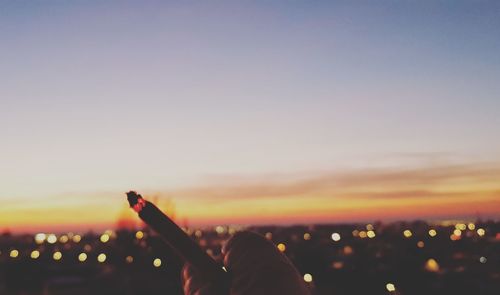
point(248, 111)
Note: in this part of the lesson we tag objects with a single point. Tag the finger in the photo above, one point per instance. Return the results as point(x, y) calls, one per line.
point(257, 267)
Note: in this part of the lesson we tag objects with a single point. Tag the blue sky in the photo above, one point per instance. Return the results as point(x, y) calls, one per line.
point(107, 95)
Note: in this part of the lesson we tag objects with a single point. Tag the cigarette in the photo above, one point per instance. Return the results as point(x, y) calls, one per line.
point(177, 239)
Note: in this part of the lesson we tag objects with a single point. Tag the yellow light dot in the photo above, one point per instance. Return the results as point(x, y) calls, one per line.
point(63, 239)
point(407, 233)
point(471, 226)
point(220, 229)
point(307, 236)
point(481, 232)
point(129, 259)
point(461, 226)
point(432, 265)
point(82, 257)
point(104, 238)
point(77, 239)
point(281, 247)
point(139, 235)
point(157, 262)
point(390, 287)
point(308, 278)
point(14, 253)
point(457, 232)
point(35, 254)
point(336, 237)
point(420, 244)
point(51, 239)
point(57, 255)
point(432, 233)
point(40, 238)
point(371, 234)
point(101, 258)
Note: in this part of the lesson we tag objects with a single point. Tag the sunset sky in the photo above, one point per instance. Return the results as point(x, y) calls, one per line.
point(248, 112)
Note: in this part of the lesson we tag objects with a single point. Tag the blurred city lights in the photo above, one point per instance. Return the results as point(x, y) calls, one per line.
point(51, 239)
point(461, 226)
point(76, 239)
point(407, 233)
point(269, 235)
point(281, 247)
point(307, 236)
point(101, 258)
point(82, 257)
point(362, 234)
point(198, 233)
point(139, 235)
point(483, 259)
point(432, 265)
point(432, 233)
point(220, 229)
point(369, 227)
point(308, 278)
point(129, 259)
point(87, 248)
point(40, 238)
point(57, 256)
point(35, 254)
point(481, 232)
point(420, 244)
point(348, 250)
point(355, 233)
point(337, 264)
point(336, 237)
point(14, 253)
point(457, 232)
point(157, 262)
point(390, 287)
point(104, 238)
point(471, 226)
point(371, 234)
point(63, 239)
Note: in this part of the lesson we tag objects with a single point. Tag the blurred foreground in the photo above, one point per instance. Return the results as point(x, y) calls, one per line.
point(397, 258)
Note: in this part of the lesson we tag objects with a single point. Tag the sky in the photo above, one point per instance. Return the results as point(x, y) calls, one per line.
point(248, 112)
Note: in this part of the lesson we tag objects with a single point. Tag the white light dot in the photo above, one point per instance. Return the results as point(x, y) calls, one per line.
point(157, 262)
point(308, 277)
point(336, 237)
point(483, 259)
point(390, 287)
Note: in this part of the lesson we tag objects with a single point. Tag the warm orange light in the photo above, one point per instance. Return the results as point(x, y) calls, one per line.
point(420, 244)
point(139, 235)
point(129, 259)
point(307, 236)
point(432, 265)
point(76, 239)
point(281, 247)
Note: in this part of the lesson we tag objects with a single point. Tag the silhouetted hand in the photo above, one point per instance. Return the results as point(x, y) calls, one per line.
point(256, 268)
